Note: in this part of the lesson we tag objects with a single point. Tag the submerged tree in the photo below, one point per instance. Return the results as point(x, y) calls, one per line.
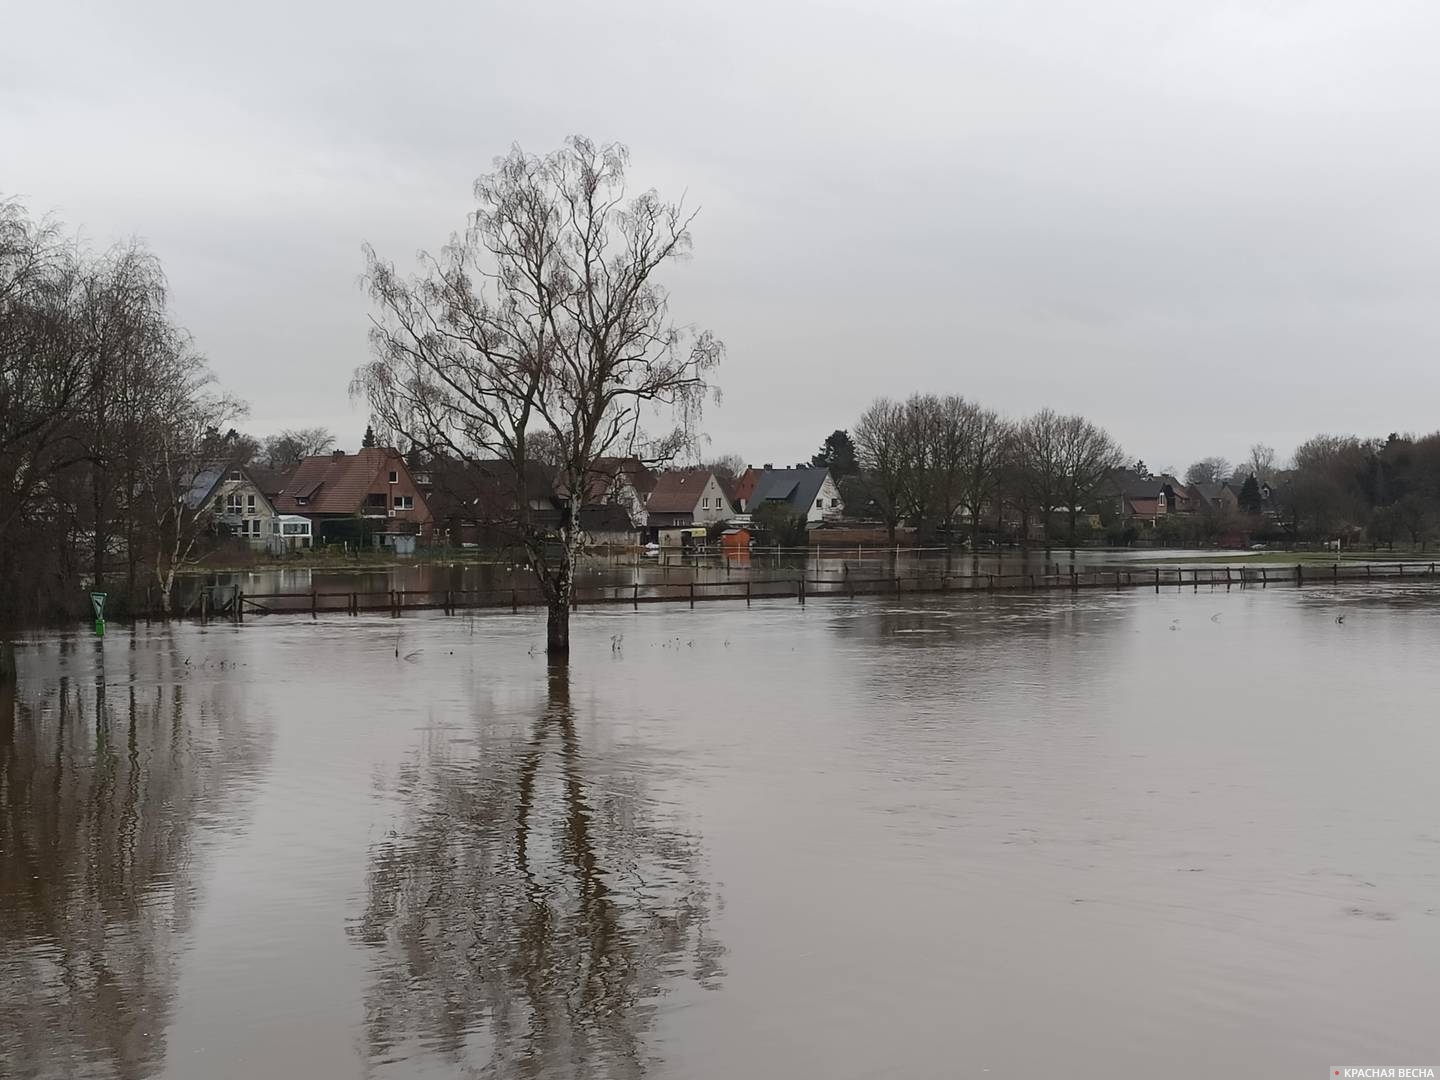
point(543, 319)
point(536, 893)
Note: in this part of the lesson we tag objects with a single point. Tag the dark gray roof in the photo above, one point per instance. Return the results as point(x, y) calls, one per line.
point(1209, 492)
point(798, 487)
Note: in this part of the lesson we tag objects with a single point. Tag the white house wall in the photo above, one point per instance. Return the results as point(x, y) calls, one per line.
point(254, 507)
point(712, 505)
point(833, 507)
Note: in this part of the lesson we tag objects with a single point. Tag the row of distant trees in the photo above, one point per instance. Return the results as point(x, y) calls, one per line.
point(1384, 490)
point(106, 410)
point(932, 460)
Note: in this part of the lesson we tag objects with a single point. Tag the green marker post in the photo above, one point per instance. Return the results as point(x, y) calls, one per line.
point(97, 601)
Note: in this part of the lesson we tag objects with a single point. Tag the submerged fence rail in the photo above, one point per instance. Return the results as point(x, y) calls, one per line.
point(233, 603)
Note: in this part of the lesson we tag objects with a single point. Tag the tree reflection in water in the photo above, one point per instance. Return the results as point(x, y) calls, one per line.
point(100, 802)
point(532, 912)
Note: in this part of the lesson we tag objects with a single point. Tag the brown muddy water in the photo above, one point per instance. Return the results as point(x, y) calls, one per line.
point(1106, 835)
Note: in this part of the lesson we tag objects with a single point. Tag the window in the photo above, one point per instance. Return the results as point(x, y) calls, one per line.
point(252, 527)
point(301, 500)
point(296, 528)
point(394, 476)
point(232, 503)
point(835, 502)
point(404, 502)
point(235, 475)
point(819, 504)
point(250, 503)
point(377, 500)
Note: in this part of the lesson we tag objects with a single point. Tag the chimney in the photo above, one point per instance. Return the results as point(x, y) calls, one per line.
point(768, 466)
point(337, 453)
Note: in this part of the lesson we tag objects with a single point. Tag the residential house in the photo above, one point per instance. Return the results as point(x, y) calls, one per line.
point(606, 523)
point(624, 482)
point(234, 501)
point(1222, 497)
point(271, 482)
point(744, 487)
point(808, 490)
point(683, 499)
point(479, 503)
point(373, 487)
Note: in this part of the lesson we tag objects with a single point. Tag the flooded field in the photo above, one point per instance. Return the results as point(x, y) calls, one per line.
point(673, 568)
point(1180, 835)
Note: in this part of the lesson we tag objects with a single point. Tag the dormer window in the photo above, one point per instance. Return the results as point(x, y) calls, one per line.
point(300, 500)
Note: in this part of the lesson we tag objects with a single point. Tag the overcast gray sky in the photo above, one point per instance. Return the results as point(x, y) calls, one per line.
point(1201, 224)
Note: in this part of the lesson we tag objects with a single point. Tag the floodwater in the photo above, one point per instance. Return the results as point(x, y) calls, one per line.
point(671, 567)
point(1182, 835)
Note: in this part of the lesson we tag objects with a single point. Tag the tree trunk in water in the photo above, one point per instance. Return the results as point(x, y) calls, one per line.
point(557, 629)
point(557, 625)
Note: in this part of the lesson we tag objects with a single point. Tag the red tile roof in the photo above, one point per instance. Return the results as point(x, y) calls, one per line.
point(677, 492)
point(335, 483)
point(744, 486)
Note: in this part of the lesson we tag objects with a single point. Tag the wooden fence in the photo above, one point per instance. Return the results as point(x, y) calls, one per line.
point(236, 604)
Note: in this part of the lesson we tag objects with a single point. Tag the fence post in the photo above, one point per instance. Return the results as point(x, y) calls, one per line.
point(1402, 569)
point(1074, 581)
point(1299, 574)
point(1157, 579)
point(747, 592)
point(692, 594)
point(314, 603)
point(514, 601)
point(1264, 577)
point(240, 606)
point(801, 593)
point(635, 599)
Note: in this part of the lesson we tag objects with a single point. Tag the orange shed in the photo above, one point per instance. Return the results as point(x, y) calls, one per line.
point(735, 542)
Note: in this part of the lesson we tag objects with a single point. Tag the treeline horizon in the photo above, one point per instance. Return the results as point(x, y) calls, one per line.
point(107, 409)
point(107, 406)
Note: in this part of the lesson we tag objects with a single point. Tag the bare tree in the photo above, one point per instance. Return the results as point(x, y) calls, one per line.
point(727, 467)
point(544, 317)
point(1210, 470)
point(984, 465)
point(1262, 462)
point(941, 432)
point(1039, 467)
point(880, 438)
point(1087, 456)
point(184, 439)
point(294, 445)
